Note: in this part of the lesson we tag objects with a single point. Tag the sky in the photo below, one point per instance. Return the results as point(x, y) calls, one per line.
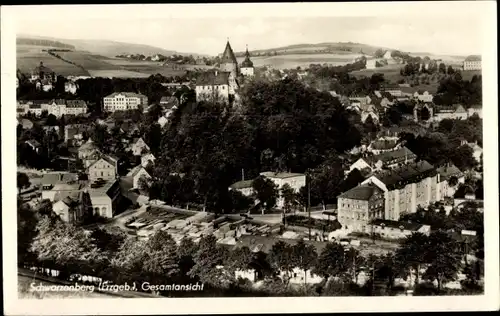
point(428, 30)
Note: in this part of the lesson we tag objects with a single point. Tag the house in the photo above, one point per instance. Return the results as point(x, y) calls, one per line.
point(74, 207)
point(138, 147)
point(455, 112)
point(359, 206)
point(136, 174)
point(243, 186)
point(361, 100)
point(105, 197)
point(215, 86)
point(35, 108)
point(394, 90)
point(163, 120)
point(381, 145)
point(385, 159)
point(74, 133)
point(445, 188)
point(423, 96)
point(70, 87)
point(397, 229)
point(369, 110)
point(472, 62)
point(87, 152)
point(406, 187)
point(105, 168)
point(34, 145)
point(371, 64)
point(169, 104)
point(75, 107)
point(295, 180)
point(477, 151)
point(60, 184)
point(386, 103)
point(124, 101)
point(147, 159)
point(475, 109)
point(42, 73)
point(22, 108)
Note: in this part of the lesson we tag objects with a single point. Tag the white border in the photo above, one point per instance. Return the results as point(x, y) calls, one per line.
point(489, 301)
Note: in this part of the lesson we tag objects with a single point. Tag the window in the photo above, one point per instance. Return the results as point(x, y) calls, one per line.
point(102, 173)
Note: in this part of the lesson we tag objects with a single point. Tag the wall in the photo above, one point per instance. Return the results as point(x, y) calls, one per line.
point(102, 205)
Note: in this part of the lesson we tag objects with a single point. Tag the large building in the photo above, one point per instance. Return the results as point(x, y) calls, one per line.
point(472, 62)
point(406, 188)
point(124, 101)
point(105, 168)
point(359, 206)
point(247, 65)
point(228, 61)
point(386, 159)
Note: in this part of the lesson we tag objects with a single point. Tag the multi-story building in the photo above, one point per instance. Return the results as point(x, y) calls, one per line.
point(124, 101)
point(136, 174)
point(454, 112)
point(105, 168)
point(397, 230)
point(74, 207)
point(447, 188)
point(393, 90)
point(423, 96)
point(472, 62)
point(105, 198)
point(359, 206)
point(406, 188)
point(247, 65)
point(295, 180)
point(70, 87)
point(138, 147)
point(386, 159)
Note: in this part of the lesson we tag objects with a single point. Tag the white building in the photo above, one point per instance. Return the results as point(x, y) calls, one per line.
point(70, 87)
point(247, 66)
point(295, 180)
point(472, 62)
point(216, 86)
point(124, 101)
point(136, 174)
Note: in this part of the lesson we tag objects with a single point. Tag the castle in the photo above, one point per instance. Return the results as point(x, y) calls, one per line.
point(223, 83)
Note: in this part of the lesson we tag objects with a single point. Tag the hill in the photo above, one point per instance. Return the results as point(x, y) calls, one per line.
point(320, 48)
point(103, 47)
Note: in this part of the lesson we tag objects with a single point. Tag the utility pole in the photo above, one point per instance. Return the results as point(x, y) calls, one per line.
point(309, 205)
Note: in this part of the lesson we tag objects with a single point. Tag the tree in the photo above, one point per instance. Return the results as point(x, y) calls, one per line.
point(280, 258)
point(186, 252)
point(209, 260)
point(160, 258)
point(265, 192)
point(51, 120)
point(238, 260)
point(443, 255)
point(289, 198)
point(450, 70)
point(331, 261)
point(326, 181)
point(411, 254)
point(304, 257)
point(26, 231)
point(442, 68)
point(379, 53)
point(239, 202)
point(23, 181)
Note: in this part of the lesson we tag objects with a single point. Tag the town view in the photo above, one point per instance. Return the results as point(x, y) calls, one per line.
point(341, 168)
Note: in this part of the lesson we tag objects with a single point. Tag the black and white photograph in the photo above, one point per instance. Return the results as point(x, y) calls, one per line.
point(254, 153)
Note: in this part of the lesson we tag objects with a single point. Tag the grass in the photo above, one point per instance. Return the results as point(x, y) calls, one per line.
point(119, 73)
point(27, 60)
point(302, 60)
point(87, 61)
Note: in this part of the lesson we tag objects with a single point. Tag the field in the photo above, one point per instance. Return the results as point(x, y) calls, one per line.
point(118, 73)
point(29, 57)
point(391, 72)
point(87, 61)
point(302, 60)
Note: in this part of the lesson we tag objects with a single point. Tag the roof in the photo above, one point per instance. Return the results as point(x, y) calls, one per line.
point(281, 175)
point(247, 63)
point(242, 184)
point(473, 58)
point(384, 144)
point(391, 155)
point(73, 199)
point(33, 142)
point(398, 224)
point(451, 108)
point(210, 78)
point(446, 172)
point(103, 189)
point(74, 129)
point(409, 173)
point(135, 171)
point(59, 101)
point(126, 94)
point(228, 55)
point(76, 104)
point(53, 178)
point(41, 68)
point(362, 192)
point(264, 243)
point(169, 102)
point(27, 124)
point(89, 145)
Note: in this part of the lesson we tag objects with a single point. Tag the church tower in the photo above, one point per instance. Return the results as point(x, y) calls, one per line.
point(247, 65)
point(228, 61)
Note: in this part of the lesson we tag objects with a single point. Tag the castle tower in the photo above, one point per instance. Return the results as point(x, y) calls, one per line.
point(247, 65)
point(228, 61)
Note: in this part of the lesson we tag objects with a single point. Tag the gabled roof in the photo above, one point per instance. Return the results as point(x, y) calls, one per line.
point(76, 104)
point(89, 145)
point(112, 161)
point(126, 94)
point(391, 155)
point(211, 79)
point(33, 142)
point(280, 175)
point(242, 184)
point(53, 178)
point(136, 170)
point(397, 224)
point(409, 173)
point(473, 58)
point(448, 171)
point(361, 192)
point(228, 55)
